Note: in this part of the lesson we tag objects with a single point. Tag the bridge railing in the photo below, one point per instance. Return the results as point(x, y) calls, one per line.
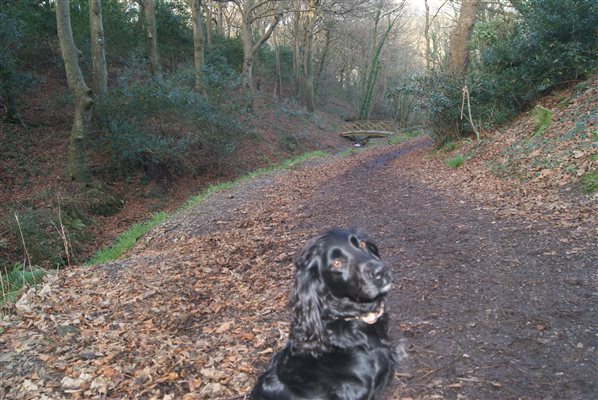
point(363, 130)
point(369, 125)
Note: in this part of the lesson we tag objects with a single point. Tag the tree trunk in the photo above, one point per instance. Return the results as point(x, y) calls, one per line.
point(368, 60)
point(151, 37)
point(249, 48)
point(83, 94)
point(278, 83)
point(323, 56)
point(366, 104)
point(427, 36)
point(459, 54)
point(247, 58)
point(98, 54)
point(220, 20)
point(297, 76)
point(197, 43)
point(308, 67)
point(209, 23)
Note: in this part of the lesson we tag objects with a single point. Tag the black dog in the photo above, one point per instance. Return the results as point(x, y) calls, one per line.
point(338, 345)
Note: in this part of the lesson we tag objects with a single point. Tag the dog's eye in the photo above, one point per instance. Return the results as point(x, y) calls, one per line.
point(362, 244)
point(337, 263)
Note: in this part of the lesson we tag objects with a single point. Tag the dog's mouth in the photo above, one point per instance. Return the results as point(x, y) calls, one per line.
point(369, 318)
point(386, 288)
point(372, 317)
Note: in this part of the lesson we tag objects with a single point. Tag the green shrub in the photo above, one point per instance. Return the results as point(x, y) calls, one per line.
point(551, 42)
point(219, 74)
point(543, 120)
point(455, 162)
point(38, 21)
point(398, 138)
point(161, 127)
point(449, 146)
point(439, 102)
point(39, 229)
point(121, 34)
point(289, 143)
point(12, 82)
point(590, 181)
point(175, 36)
point(227, 51)
point(20, 276)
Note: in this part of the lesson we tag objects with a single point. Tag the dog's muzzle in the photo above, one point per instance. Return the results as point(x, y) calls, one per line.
point(380, 275)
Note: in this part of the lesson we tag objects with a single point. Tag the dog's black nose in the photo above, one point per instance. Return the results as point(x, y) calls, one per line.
point(379, 273)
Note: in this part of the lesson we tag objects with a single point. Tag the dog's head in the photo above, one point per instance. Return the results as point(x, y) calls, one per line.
point(339, 276)
point(351, 267)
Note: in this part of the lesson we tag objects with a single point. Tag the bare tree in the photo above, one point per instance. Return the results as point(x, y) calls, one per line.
point(82, 93)
point(278, 81)
point(98, 54)
point(323, 56)
point(430, 46)
point(296, 45)
point(252, 11)
point(151, 36)
point(312, 24)
point(459, 54)
point(378, 41)
point(220, 18)
point(208, 6)
point(197, 42)
point(311, 19)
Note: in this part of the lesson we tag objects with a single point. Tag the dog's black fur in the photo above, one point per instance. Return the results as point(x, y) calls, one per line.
point(338, 345)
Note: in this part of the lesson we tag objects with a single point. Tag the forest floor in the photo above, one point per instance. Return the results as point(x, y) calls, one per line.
point(495, 295)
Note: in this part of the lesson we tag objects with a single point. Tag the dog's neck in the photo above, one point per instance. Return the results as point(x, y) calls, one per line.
point(370, 317)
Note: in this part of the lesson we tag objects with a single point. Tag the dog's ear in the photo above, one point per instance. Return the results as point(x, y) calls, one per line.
point(308, 333)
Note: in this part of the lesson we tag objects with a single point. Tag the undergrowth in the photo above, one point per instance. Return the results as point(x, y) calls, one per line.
point(38, 233)
point(455, 162)
point(20, 276)
point(163, 126)
point(590, 182)
point(542, 119)
point(405, 135)
point(127, 240)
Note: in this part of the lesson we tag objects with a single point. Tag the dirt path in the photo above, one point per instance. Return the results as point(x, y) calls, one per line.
point(484, 307)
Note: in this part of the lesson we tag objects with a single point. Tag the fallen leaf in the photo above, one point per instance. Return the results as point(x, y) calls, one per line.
point(224, 327)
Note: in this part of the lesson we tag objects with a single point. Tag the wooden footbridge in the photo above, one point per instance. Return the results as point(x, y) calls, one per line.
point(361, 131)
